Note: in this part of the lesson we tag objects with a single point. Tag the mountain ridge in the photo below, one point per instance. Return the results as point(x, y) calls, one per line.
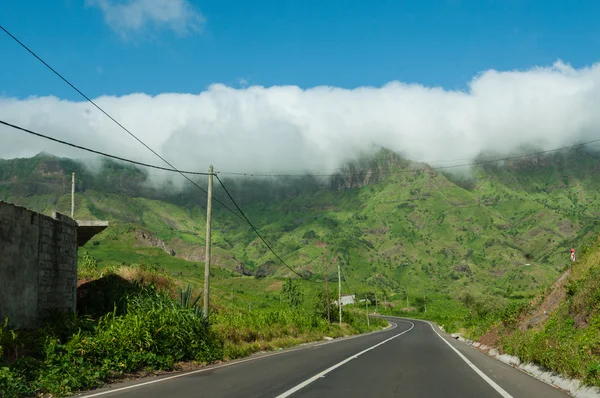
point(433, 232)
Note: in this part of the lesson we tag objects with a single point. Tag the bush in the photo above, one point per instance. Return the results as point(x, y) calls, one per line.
point(154, 332)
point(310, 235)
point(147, 329)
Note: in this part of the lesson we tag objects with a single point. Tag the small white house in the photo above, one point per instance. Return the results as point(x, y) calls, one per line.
point(348, 299)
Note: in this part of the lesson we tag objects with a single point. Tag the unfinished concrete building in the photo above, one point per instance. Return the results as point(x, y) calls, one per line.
point(38, 263)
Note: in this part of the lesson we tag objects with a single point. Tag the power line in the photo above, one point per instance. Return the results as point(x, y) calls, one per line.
point(254, 228)
point(195, 184)
point(345, 282)
point(84, 96)
point(124, 128)
point(476, 163)
point(109, 116)
point(306, 172)
point(265, 175)
point(14, 126)
point(128, 161)
point(187, 172)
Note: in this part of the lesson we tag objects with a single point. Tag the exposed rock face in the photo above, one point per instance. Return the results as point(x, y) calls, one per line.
point(150, 239)
point(240, 269)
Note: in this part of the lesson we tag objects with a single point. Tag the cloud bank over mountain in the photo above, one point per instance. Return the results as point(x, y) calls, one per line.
point(286, 128)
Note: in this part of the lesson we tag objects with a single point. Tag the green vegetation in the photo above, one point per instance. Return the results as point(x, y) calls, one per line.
point(263, 330)
point(566, 339)
point(74, 353)
point(391, 229)
point(125, 325)
point(469, 251)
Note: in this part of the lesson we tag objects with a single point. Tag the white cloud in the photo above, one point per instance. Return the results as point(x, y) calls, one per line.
point(288, 128)
point(129, 17)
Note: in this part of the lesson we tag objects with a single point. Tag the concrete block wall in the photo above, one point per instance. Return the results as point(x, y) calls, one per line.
point(38, 265)
point(57, 272)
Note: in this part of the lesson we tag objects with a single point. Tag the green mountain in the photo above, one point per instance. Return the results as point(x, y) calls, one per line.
point(395, 226)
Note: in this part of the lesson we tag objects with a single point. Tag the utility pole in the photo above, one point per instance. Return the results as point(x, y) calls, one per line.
point(376, 307)
point(340, 291)
point(73, 195)
point(367, 310)
point(208, 241)
point(327, 291)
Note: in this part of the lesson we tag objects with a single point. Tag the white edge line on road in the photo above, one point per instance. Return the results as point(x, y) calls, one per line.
point(485, 377)
point(323, 373)
point(232, 363)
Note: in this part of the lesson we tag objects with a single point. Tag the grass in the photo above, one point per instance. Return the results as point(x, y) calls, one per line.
point(560, 346)
point(126, 323)
point(74, 353)
point(568, 341)
point(449, 314)
point(264, 330)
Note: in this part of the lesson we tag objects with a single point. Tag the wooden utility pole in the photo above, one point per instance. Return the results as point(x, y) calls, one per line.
point(340, 291)
point(208, 241)
point(367, 310)
point(327, 291)
point(73, 195)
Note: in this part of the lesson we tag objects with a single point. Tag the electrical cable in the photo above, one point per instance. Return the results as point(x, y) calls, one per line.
point(256, 230)
point(476, 163)
point(120, 125)
point(345, 282)
point(14, 126)
point(171, 170)
point(256, 174)
point(108, 115)
point(230, 173)
point(125, 160)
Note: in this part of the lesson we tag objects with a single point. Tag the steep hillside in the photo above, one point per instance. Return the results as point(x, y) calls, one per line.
point(559, 329)
point(502, 230)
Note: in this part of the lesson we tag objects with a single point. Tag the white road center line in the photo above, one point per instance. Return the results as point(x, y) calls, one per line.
point(323, 373)
point(485, 377)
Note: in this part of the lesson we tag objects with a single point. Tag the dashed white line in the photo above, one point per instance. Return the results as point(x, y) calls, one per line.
point(323, 373)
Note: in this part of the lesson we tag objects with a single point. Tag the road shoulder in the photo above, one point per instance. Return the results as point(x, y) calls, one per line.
point(514, 381)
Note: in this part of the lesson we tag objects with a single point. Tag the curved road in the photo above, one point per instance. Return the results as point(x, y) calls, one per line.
point(411, 359)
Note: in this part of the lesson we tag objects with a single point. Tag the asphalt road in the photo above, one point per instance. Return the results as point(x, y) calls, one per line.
point(409, 360)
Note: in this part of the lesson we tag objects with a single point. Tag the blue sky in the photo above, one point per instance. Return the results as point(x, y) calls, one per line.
point(345, 43)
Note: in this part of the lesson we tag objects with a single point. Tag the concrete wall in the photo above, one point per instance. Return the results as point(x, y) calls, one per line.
point(38, 265)
point(19, 240)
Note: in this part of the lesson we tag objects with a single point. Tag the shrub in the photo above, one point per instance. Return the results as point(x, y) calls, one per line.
point(154, 332)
